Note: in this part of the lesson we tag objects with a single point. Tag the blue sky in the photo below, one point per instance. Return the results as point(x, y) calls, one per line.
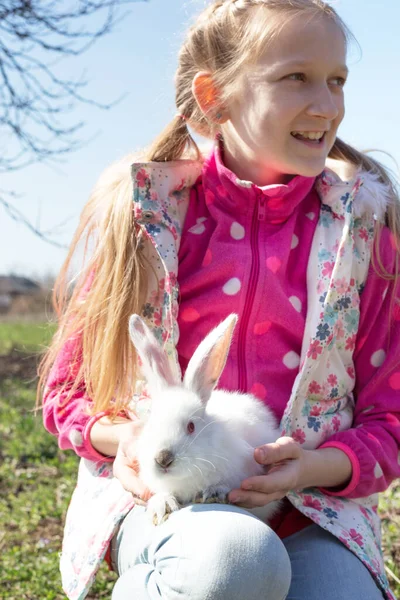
point(138, 61)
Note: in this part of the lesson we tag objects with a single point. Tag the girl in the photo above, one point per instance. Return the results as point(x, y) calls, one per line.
point(296, 232)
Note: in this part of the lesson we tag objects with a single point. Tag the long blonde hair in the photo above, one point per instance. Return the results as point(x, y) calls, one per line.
point(112, 282)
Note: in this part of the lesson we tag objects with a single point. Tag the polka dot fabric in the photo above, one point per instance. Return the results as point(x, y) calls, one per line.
point(273, 283)
point(236, 262)
point(215, 276)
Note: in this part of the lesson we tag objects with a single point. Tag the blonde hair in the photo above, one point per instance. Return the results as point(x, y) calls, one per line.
point(226, 37)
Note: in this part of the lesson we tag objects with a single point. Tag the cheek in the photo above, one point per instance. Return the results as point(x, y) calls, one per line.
point(278, 109)
point(141, 446)
point(259, 116)
point(341, 109)
point(258, 108)
point(147, 447)
point(270, 128)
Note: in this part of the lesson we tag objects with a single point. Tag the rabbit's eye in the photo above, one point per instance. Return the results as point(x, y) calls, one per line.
point(190, 427)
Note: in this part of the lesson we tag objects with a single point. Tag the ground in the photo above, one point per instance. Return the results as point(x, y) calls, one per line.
point(37, 479)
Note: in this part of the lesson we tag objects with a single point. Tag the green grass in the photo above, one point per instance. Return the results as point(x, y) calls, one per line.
point(36, 483)
point(37, 480)
point(24, 336)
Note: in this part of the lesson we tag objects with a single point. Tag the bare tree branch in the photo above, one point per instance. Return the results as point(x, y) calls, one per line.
point(34, 99)
point(19, 217)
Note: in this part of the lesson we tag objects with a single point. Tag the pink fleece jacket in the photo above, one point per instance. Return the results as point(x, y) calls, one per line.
point(245, 249)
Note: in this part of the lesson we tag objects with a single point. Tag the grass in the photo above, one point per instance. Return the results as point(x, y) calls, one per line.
point(25, 336)
point(36, 483)
point(37, 480)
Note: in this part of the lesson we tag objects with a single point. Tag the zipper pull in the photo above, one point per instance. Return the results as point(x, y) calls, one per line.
point(261, 207)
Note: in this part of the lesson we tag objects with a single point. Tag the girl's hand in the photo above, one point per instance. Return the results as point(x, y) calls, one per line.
point(291, 468)
point(285, 460)
point(125, 466)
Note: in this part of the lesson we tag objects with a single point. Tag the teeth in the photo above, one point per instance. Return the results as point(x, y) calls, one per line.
point(311, 135)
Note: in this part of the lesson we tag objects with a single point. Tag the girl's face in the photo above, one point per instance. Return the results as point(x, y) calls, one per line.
point(296, 88)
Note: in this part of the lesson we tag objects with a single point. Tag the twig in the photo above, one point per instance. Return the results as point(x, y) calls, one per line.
point(392, 575)
point(18, 217)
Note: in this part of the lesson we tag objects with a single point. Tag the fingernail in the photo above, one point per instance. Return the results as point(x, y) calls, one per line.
point(247, 486)
point(261, 453)
point(235, 498)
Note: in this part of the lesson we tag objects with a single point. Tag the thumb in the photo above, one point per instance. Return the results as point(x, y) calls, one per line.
point(283, 449)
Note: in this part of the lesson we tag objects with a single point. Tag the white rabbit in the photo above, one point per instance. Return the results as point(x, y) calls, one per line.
point(197, 443)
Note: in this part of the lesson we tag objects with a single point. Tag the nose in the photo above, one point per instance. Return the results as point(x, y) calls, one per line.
point(164, 458)
point(324, 104)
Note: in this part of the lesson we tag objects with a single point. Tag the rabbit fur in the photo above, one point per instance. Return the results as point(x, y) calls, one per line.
point(197, 443)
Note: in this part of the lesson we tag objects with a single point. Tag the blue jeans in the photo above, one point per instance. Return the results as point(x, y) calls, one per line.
point(221, 552)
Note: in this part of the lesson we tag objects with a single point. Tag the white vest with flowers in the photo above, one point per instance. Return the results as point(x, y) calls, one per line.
point(321, 402)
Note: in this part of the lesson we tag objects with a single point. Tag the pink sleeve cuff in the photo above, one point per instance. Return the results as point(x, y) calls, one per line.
point(86, 438)
point(355, 463)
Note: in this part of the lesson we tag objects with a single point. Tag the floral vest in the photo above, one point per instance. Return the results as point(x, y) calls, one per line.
point(321, 402)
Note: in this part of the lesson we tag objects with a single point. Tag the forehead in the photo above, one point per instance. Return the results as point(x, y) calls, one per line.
point(307, 40)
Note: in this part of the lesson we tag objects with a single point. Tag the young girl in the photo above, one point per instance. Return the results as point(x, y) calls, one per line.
point(296, 232)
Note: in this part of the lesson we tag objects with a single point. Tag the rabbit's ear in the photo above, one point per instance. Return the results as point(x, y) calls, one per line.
point(208, 361)
point(155, 366)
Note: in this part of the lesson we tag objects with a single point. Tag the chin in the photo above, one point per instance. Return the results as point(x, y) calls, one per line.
point(311, 170)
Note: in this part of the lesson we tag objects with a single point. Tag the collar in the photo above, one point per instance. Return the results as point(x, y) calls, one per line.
point(159, 188)
point(277, 202)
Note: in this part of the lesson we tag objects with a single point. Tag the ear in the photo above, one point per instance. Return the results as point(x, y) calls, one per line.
point(208, 361)
point(155, 366)
point(208, 98)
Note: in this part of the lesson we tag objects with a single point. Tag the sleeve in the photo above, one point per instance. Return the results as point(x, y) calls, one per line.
point(373, 443)
point(69, 419)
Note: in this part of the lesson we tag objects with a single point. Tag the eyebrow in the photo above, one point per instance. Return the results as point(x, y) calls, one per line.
point(306, 63)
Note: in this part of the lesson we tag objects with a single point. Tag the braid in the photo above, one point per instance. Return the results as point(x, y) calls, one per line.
point(242, 5)
point(235, 5)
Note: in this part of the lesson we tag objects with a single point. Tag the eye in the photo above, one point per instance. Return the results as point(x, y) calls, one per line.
point(340, 81)
point(297, 76)
point(190, 427)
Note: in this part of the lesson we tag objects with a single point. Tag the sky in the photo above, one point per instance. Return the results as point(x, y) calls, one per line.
point(137, 61)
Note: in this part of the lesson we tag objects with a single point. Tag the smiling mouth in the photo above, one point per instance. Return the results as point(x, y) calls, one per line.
point(316, 138)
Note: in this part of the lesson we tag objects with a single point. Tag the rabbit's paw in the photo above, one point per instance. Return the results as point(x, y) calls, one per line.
point(213, 495)
point(160, 506)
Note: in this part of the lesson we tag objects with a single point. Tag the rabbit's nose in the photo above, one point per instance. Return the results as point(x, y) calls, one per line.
point(164, 458)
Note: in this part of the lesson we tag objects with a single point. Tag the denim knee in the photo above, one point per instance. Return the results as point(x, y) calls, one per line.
point(209, 551)
point(244, 558)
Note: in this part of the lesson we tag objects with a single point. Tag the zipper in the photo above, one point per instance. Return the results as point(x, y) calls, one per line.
point(258, 215)
point(261, 205)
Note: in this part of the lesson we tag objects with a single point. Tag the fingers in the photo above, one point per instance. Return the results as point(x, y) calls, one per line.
point(130, 481)
point(139, 501)
point(284, 448)
point(253, 499)
point(280, 480)
point(125, 469)
point(283, 476)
